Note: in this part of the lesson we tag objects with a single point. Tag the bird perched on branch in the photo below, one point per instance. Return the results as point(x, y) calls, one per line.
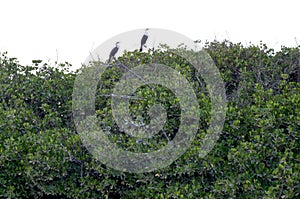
point(114, 51)
point(144, 39)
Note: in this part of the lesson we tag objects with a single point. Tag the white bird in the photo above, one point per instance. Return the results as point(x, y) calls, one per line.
point(144, 39)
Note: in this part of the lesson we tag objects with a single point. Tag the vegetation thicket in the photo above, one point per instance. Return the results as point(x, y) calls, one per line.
point(257, 155)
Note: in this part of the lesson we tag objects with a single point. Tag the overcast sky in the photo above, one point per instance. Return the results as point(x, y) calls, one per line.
point(70, 29)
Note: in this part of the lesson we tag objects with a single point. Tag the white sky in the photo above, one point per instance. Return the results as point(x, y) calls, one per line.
point(40, 29)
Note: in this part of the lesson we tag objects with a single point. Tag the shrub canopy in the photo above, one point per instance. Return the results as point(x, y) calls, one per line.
point(257, 155)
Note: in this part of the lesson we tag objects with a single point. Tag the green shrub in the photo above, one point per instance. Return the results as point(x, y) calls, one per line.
point(257, 155)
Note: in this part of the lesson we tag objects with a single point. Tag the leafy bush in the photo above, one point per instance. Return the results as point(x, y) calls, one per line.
point(257, 155)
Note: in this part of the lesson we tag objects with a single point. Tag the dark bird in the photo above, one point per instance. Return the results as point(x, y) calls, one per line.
point(114, 51)
point(144, 39)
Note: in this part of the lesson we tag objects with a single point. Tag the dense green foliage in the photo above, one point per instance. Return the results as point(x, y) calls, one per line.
point(257, 155)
